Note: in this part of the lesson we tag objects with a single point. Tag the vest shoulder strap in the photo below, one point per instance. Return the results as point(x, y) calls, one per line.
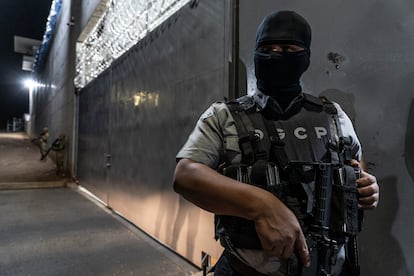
point(313, 103)
point(339, 146)
point(328, 106)
point(239, 109)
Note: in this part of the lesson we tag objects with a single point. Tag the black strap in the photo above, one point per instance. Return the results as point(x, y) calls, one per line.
point(248, 138)
point(312, 103)
point(278, 153)
point(339, 146)
point(246, 133)
point(352, 266)
point(335, 131)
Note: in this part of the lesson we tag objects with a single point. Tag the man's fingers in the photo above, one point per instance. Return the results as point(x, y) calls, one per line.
point(354, 163)
point(366, 180)
point(368, 202)
point(302, 249)
point(367, 191)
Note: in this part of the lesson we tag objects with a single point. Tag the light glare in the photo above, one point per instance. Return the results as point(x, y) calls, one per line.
point(29, 83)
point(32, 84)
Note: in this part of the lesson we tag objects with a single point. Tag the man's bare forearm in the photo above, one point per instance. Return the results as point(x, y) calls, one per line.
point(217, 193)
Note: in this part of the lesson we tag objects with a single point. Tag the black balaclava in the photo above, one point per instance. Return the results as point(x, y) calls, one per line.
point(278, 74)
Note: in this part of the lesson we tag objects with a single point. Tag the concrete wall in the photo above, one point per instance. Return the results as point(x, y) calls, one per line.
point(374, 84)
point(55, 105)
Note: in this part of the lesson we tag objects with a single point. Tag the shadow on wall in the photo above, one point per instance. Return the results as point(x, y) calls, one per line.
point(409, 145)
point(175, 225)
point(186, 211)
point(380, 251)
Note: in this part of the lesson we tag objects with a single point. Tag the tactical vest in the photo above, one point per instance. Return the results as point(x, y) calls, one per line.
point(303, 160)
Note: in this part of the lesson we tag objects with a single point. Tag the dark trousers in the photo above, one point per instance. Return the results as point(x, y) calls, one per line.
point(228, 265)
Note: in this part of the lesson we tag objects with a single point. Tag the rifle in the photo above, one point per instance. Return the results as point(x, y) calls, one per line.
point(331, 180)
point(308, 190)
point(321, 246)
point(50, 148)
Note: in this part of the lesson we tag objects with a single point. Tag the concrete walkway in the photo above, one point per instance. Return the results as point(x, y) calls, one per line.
point(62, 230)
point(20, 165)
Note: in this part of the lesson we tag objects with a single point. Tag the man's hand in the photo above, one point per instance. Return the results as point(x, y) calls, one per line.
point(280, 232)
point(368, 189)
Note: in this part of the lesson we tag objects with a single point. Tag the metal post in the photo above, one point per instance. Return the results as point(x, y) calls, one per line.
point(234, 63)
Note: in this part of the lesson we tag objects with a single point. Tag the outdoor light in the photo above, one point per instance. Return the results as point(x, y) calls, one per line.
point(30, 83)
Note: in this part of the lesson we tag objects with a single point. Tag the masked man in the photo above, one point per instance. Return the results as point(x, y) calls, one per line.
point(279, 168)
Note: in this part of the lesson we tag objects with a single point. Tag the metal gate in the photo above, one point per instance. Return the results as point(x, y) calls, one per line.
point(134, 118)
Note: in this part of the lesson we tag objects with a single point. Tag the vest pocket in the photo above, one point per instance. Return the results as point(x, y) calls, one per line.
point(345, 202)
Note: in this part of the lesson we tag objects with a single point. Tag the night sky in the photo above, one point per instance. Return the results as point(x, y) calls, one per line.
point(22, 18)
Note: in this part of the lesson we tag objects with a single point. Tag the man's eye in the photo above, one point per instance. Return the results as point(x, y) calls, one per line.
point(269, 49)
point(289, 49)
point(293, 49)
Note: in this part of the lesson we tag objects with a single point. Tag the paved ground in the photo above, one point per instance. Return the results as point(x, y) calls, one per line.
point(62, 231)
point(20, 161)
